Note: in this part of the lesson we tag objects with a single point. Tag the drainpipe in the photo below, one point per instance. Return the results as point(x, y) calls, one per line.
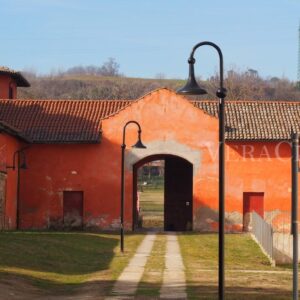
point(18, 183)
point(18, 192)
point(17, 153)
point(295, 157)
point(3, 225)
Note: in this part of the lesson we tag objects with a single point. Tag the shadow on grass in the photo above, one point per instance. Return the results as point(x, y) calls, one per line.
point(148, 290)
point(29, 288)
point(84, 253)
point(58, 252)
point(237, 292)
point(98, 288)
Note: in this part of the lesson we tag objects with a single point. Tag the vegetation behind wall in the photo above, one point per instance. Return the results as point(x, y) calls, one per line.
point(106, 82)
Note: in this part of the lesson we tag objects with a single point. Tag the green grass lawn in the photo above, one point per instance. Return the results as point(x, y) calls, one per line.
point(64, 260)
point(60, 262)
point(248, 273)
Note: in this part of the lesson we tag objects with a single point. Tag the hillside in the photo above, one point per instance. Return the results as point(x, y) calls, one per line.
point(93, 87)
point(240, 86)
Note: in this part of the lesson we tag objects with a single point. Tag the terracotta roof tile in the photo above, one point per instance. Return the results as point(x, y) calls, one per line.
point(59, 121)
point(257, 120)
point(4, 127)
point(79, 121)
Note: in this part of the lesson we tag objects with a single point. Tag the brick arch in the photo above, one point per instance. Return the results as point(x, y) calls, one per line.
point(167, 148)
point(154, 157)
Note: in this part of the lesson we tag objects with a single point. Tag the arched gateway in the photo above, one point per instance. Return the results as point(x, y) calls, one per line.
point(178, 192)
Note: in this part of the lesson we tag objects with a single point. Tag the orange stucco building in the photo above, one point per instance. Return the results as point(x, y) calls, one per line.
point(72, 152)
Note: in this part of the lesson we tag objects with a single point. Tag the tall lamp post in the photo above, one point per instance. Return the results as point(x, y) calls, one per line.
point(192, 88)
point(138, 145)
point(295, 170)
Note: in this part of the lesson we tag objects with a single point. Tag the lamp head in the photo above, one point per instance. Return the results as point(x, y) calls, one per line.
point(139, 144)
point(22, 162)
point(24, 166)
point(191, 87)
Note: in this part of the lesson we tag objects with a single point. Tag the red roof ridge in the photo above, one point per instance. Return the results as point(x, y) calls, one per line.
point(138, 99)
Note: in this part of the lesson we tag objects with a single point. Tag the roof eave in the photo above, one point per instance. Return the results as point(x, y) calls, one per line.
point(5, 128)
point(71, 142)
point(20, 80)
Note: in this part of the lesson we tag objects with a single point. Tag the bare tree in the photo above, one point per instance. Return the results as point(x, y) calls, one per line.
point(108, 84)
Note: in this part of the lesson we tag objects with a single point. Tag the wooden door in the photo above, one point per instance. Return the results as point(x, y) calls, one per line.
point(73, 210)
point(252, 202)
point(178, 208)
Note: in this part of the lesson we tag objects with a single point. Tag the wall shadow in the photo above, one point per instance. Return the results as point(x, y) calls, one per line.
point(206, 218)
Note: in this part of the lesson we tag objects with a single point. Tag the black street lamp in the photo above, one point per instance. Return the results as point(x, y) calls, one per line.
point(294, 219)
point(138, 145)
point(192, 88)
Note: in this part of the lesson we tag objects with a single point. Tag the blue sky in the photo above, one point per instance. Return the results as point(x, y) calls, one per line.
point(150, 36)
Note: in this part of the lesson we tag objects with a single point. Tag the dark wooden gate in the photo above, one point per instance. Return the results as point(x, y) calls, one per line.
point(73, 210)
point(178, 208)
